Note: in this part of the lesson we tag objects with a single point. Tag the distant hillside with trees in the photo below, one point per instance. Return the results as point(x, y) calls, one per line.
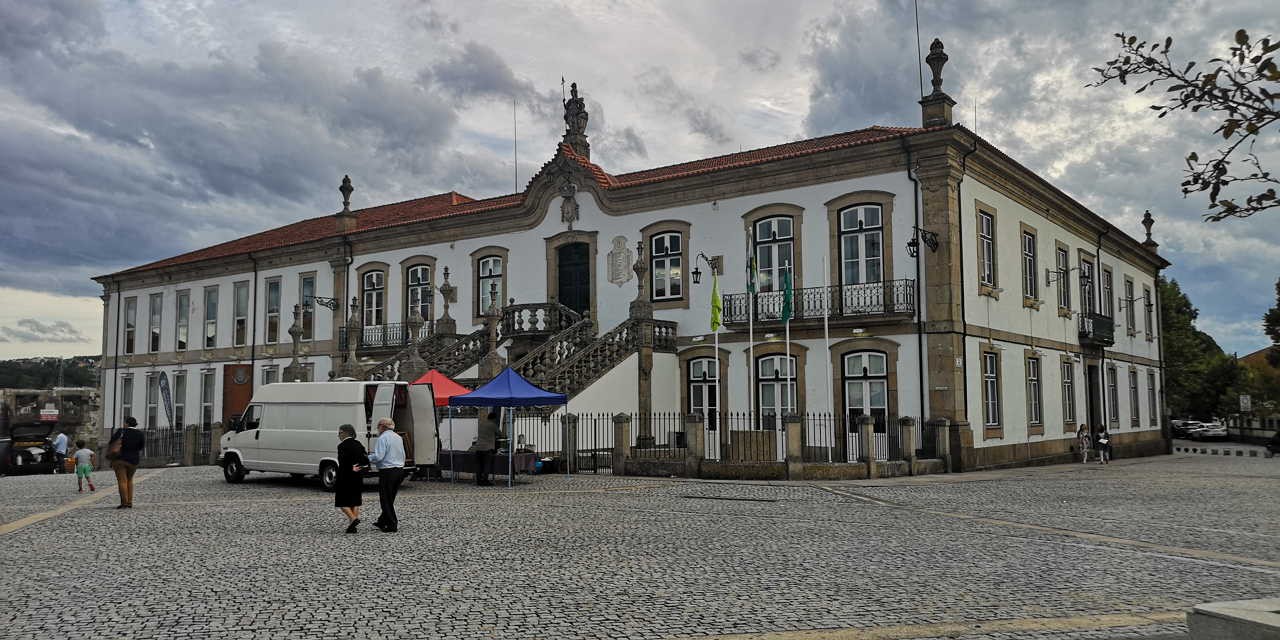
point(43, 373)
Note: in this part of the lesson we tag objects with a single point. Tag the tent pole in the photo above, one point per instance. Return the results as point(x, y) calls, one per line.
point(453, 473)
point(511, 449)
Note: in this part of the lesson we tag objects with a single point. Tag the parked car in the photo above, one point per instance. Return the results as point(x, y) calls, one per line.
point(1183, 428)
point(1209, 431)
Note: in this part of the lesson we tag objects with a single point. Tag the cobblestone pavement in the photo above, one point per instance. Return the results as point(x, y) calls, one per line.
point(1040, 551)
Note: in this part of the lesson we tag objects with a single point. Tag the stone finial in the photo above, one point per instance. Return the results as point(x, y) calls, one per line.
point(641, 307)
point(575, 123)
point(936, 59)
point(346, 190)
point(446, 324)
point(1147, 221)
point(294, 371)
point(936, 107)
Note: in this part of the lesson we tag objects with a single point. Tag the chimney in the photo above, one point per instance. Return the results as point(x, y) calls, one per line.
point(346, 218)
point(936, 107)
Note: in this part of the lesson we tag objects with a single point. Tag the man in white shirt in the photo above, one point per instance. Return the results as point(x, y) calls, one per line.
point(388, 458)
point(59, 452)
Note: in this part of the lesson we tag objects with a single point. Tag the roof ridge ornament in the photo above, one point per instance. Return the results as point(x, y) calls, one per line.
point(936, 60)
point(1147, 221)
point(346, 190)
point(936, 107)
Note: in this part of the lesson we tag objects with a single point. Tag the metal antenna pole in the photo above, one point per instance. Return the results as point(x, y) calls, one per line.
point(919, 55)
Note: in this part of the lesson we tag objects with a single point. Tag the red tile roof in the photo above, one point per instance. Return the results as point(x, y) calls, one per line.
point(452, 204)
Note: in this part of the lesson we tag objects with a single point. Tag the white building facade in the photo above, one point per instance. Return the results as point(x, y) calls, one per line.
point(933, 277)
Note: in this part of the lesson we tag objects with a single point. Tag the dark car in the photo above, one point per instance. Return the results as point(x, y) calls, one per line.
point(1183, 428)
point(30, 448)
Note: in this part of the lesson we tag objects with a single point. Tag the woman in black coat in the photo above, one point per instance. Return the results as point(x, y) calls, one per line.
point(349, 483)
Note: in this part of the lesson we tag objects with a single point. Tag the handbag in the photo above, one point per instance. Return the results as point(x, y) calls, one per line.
point(113, 448)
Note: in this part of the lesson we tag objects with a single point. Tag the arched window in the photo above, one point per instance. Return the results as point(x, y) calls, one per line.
point(775, 388)
point(774, 249)
point(861, 244)
point(418, 291)
point(489, 281)
point(374, 288)
point(666, 263)
point(704, 390)
point(866, 386)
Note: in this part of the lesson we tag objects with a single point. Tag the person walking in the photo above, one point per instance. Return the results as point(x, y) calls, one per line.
point(349, 484)
point(486, 443)
point(125, 452)
point(1086, 443)
point(388, 458)
point(84, 466)
point(60, 452)
point(1104, 447)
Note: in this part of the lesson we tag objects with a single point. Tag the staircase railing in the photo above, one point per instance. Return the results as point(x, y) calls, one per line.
point(389, 369)
point(457, 357)
point(536, 319)
point(589, 363)
point(536, 365)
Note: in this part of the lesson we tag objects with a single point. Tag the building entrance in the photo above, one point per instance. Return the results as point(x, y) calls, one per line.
point(573, 274)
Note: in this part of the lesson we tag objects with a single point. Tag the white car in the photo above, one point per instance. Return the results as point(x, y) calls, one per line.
point(1209, 431)
point(292, 427)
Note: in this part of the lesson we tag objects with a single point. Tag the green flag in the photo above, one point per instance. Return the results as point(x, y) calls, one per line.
point(751, 273)
point(716, 308)
point(786, 295)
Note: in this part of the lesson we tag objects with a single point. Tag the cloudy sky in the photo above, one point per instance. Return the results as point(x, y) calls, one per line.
point(131, 131)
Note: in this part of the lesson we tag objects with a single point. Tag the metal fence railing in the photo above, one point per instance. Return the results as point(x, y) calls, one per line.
point(162, 447)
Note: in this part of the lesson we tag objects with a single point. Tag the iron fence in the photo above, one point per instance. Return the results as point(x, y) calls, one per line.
point(890, 297)
point(658, 435)
point(162, 447)
point(580, 441)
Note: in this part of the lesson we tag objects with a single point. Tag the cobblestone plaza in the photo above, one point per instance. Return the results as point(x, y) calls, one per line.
point(1073, 551)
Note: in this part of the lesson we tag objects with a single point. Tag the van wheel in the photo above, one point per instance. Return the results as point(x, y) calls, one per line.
point(329, 476)
point(233, 471)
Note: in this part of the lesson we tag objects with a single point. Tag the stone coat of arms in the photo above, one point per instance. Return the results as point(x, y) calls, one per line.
point(620, 259)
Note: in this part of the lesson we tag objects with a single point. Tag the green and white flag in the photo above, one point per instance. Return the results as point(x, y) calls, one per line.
point(786, 295)
point(716, 306)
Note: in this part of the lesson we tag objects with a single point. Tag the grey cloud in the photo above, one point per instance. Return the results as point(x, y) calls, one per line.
point(32, 330)
point(424, 15)
point(656, 84)
point(53, 28)
point(478, 71)
point(760, 59)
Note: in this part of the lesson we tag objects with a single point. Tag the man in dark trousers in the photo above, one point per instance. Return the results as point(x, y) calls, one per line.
point(486, 443)
point(388, 458)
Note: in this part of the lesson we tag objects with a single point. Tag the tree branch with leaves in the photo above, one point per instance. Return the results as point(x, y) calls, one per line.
point(1241, 89)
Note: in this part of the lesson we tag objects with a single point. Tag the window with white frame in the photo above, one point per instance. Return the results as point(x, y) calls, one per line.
point(210, 317)
point(704, 390)
point(1068, 391)
point(1088, 295)
point(182, 324)
point(240, 313)
point(126, 396)
point(1034, 413)
point(1147, 308)
point(155, 310)
point(489, 283)
point(1063, 263)
point(986, 249)
point(774, 249)
point(153, 400)
point(1152, 409)
point(666, 262)
point(776, 389)
point(1135, 416)
point(1128, 305)
point(307, 296)
point(273, 311)
point(861, 244)
point(1108, 293)
point(419, 291)
point(179, 398)
point(374, 290)
point(1030, 286)
point(207, 385)
point(866, 386)
point(991, 388)
point(130, 324)
point(1113, 396)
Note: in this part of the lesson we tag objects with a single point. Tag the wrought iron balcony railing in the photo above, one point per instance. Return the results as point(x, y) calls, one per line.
point(383, 336)
point(1097, 330)
point(887, 298)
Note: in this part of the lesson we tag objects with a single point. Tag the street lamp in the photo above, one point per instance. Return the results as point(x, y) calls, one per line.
point(715, 264)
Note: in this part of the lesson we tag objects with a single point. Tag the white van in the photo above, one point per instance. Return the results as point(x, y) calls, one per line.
point(292, 427)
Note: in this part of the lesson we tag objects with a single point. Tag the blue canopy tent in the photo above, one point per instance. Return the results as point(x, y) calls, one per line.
point(509, 389)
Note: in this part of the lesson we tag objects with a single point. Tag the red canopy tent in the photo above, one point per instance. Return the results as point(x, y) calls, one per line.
point(441, 386)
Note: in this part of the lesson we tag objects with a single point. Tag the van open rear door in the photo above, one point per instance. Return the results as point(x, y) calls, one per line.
point(384, 399)
point(422, 408)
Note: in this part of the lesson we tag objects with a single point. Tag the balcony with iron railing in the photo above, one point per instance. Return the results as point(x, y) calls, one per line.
point(890, 298)
point(384, 336)
point(1097, 330)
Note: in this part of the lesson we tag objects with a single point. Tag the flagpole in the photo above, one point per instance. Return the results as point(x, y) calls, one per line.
point(826, 339)
point(791, 373)
point(751, 334)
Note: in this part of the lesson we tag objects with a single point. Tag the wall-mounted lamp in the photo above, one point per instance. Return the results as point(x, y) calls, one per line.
point(929, 238)
point(715, 263)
